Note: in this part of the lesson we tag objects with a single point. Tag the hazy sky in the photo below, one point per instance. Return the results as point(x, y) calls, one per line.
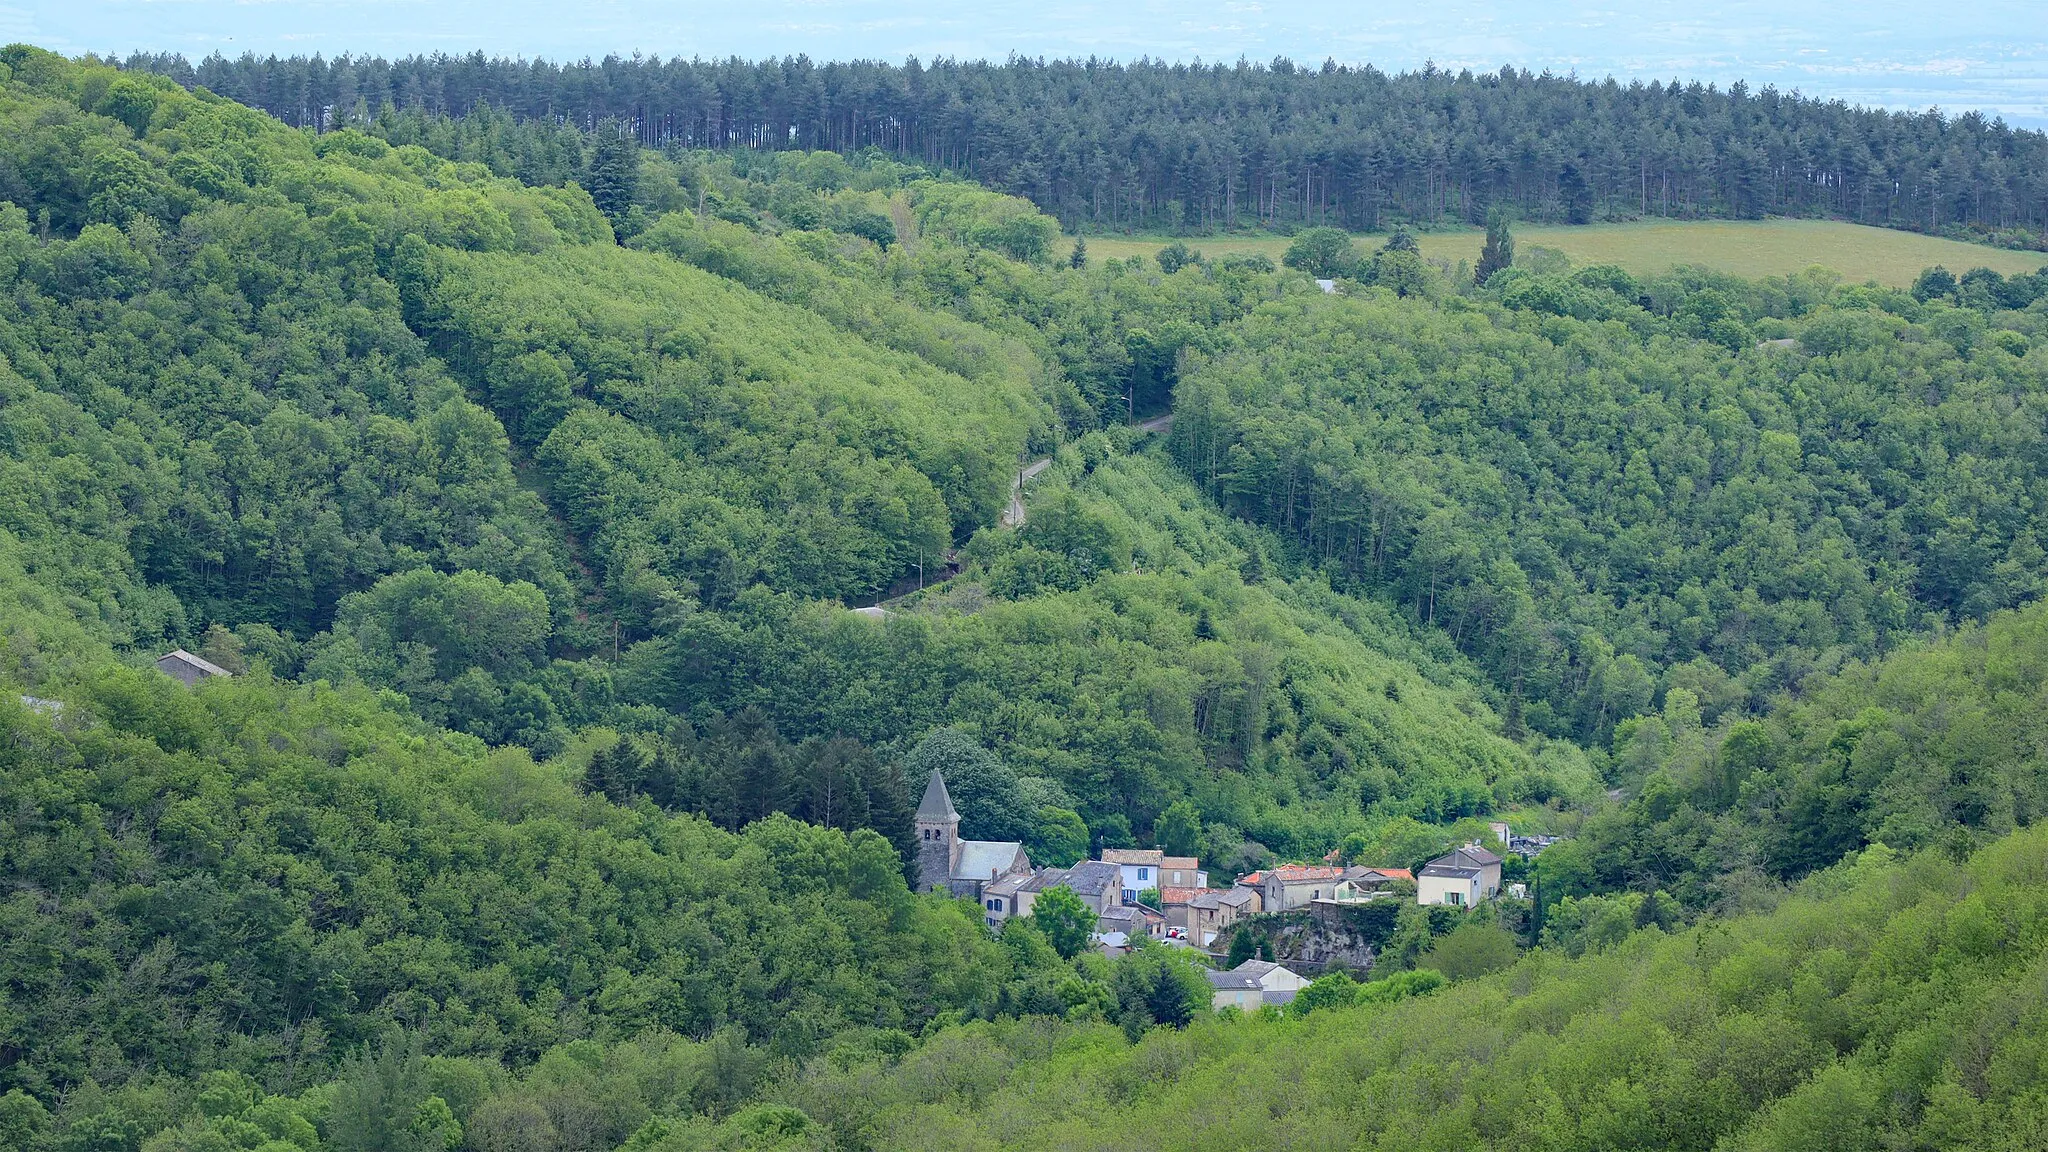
point(1991, 54)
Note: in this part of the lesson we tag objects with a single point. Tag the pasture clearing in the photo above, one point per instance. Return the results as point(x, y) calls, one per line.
point(1749, 248)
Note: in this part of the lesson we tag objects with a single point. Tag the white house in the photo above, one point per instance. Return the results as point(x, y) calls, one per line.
point(1463, 878)
point(1151, 868)
point(1253, 984)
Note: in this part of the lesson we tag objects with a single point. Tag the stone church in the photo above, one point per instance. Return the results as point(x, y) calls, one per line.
point(946, 863)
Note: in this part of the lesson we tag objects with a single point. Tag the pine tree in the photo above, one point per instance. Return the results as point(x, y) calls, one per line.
point(613, 174)
point(1243, 946)
point(1080, 257)
point(1499, 252)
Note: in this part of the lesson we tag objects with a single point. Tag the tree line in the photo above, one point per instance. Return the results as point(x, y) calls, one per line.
point(1190, 147)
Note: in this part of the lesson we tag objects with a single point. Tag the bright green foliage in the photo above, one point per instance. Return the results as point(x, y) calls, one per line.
point(1599, 502)
point(1326, 253)
point(1064, 919)
point(694, 430)
point(214, 409)
point(331, 867)
point(557, 535)
point(1888, 1003)
point(1936, 746)
point(1107, 690)
point(1471, 949)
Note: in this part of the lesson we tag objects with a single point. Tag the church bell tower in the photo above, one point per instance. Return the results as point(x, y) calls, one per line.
point(938, 837)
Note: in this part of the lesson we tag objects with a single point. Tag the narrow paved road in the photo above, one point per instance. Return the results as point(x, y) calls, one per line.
point(1157, 423)
point(1013, 516)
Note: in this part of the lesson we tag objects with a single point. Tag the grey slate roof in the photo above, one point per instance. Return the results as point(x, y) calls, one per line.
point(179, 655)
point(1231, 981)
point(936, 805)
point(985, 859)
point(1094, 877)
point(1245, 976)
point(1088, 878)
point(1463, 863)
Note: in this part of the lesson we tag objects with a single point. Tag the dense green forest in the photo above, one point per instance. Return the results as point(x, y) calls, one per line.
point(1602, 488)
point(524, 477)
point(1151, 145)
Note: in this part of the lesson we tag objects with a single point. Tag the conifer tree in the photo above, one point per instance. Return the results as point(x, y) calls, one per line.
point(1499, 251)
point(613, 174)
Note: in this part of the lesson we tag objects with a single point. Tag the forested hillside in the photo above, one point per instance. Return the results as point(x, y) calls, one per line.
point(1604, 489)
point(1147, 145)
point(524, 479)
point(1937, 746)
point(1890, 1002)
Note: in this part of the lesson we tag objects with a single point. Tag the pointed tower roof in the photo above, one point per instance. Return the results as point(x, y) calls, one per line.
point(937, 805)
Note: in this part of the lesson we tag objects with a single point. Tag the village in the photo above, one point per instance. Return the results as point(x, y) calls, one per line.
point(1146, 895)
point(1142, 895)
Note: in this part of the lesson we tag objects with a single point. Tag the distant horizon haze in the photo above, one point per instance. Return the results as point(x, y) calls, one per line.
point(1991, 57)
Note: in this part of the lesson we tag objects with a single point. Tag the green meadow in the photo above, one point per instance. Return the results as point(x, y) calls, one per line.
point(1749, 248)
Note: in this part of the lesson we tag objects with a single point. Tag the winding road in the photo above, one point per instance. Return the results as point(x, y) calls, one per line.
point(1013, 516)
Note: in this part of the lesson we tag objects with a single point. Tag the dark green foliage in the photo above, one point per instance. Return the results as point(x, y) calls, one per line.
point(1176, 256)
point(1161, 145)
point(1243, 946)
point(1158, 985)
point(1499, 250)
point(985, 792)
point(613, 175)
point(332, 868)
point(1914, 751)
point(1179, 829)
point(1934, 282)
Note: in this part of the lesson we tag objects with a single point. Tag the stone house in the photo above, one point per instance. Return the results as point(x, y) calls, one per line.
point(1097, 883)
point(189, 669)
point(1295, 885)
point(1252, 985)
point(1151, 868)
point(1212, 912)
point(1461, 879)
point(946, 863)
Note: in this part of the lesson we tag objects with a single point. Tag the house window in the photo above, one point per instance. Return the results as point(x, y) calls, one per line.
point(1454, 898)
point(995, 905)
point(1144, 873)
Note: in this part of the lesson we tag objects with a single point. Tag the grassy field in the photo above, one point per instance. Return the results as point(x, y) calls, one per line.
point(1749, 248)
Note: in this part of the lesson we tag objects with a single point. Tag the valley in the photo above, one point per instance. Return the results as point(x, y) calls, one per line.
point(680, 645)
